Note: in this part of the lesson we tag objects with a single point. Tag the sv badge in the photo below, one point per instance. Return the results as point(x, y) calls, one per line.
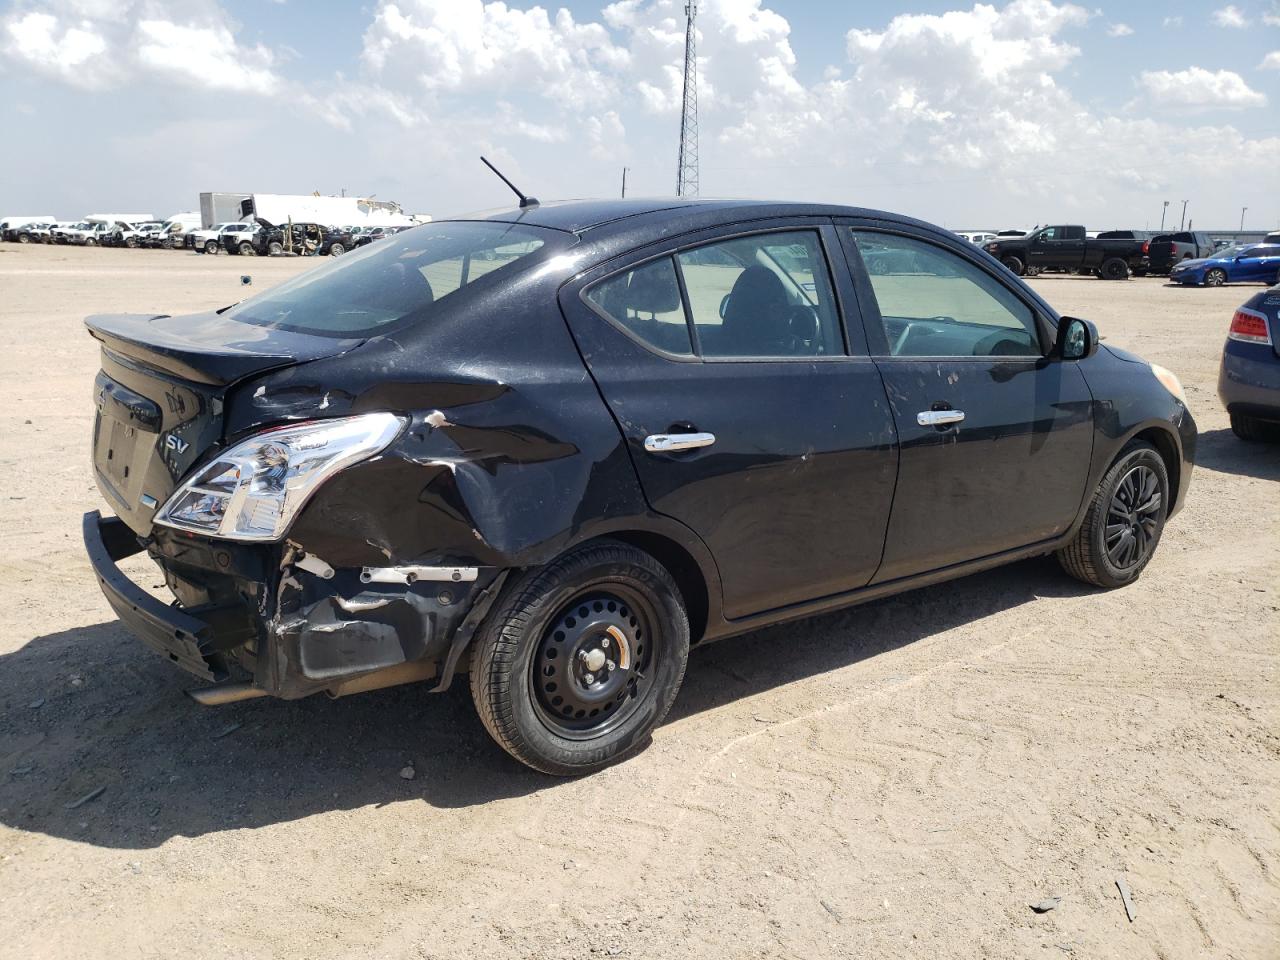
point(176, 444)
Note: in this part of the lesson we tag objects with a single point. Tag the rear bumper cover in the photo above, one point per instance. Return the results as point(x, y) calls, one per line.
point(310, 633)
point(183, 637)
point(1249, 379)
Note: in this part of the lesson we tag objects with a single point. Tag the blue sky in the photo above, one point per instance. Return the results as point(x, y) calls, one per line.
point(1001, 114)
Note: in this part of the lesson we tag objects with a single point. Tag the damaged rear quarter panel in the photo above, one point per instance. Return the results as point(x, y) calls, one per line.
point(509, 457)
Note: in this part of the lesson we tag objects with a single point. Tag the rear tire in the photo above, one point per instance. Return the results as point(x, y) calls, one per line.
point(1015, 265)
point(1123, 522)
point(1115, 269)
point(24, 238)
point(337, 250)
point(1253, 429)
point(539, 670)
point(275, 248)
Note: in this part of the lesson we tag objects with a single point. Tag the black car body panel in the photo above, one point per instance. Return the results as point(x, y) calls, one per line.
point(526, 414)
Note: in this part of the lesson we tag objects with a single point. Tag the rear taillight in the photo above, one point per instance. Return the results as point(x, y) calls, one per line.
point(1146, 247)
point(1249, 326)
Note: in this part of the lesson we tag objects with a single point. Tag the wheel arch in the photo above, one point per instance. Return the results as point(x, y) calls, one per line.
point(684, 569)
point(1166, 445)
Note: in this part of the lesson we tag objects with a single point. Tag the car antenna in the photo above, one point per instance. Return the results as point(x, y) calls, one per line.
point(524, 201)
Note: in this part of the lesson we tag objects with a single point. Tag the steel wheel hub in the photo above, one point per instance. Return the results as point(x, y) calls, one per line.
point(1133, 519)
point(588, 667)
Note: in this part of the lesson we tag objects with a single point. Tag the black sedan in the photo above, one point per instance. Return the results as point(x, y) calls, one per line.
point(553, 448)
point(1249, 379)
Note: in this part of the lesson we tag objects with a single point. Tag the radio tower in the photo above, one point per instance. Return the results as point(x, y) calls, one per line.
point(687, 174)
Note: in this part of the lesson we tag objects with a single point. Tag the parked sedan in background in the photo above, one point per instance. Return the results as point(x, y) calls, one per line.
point(1249, 380)
point(554, 447)
point(1243, 263)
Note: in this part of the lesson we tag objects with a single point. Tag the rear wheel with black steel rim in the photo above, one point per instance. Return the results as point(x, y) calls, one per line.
point(581, 659)
point(1123, 523)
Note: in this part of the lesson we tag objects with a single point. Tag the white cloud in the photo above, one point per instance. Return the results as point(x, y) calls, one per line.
point(96, 44)
point(1271, 61)
point(440, 46)
point(71, 53)
point(204, 55)
point(1197, 87)
point(1173, 22)
point(1119, 30)
point(1230, 16)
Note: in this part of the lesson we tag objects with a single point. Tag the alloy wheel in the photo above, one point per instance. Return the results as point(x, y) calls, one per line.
point(592, 666)
point(1215, 278)
point(1133, 518)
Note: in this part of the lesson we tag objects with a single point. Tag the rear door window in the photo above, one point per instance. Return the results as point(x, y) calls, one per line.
point(646, 302)
point(765, 295)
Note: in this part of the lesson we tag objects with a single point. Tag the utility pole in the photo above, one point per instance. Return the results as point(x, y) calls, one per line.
point(624, 182)
point(687, 171)
point(1242, 210)
point(1162, 213)
point(1183, 224)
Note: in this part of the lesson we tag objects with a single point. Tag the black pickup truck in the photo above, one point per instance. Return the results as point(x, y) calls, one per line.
point(1068, 248)
point(1170, 249)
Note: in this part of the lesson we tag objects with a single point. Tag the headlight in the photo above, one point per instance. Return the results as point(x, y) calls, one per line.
point(1170, 381)
point(254, 490)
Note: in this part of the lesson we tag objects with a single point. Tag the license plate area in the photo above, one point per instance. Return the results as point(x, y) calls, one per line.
point(126, 431)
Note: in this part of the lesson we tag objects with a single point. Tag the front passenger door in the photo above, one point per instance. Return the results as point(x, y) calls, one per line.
point(995, 438)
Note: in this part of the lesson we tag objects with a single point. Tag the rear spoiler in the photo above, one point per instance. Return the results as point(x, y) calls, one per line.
point(208, 347)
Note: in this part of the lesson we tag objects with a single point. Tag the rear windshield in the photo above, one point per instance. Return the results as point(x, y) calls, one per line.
point(397, 278)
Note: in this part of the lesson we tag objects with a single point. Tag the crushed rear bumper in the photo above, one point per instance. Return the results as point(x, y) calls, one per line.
point(194, 639)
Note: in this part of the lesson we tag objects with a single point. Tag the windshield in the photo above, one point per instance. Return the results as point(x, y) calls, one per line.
point(1238, 250)
point(398, 278)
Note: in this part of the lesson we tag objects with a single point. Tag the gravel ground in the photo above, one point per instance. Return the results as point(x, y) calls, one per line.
point(899, 780)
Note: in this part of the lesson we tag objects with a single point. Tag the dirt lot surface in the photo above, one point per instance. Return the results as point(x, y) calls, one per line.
point(899, 780)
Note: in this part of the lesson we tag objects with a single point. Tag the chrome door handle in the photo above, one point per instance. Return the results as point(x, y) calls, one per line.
point(938, 418)
point(673, 442)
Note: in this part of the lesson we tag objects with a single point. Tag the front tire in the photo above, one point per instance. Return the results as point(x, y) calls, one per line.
point(1016, 266)
point(1215, 278)
point(580, 660)
point(246, 249)
point(1123, 523)
point(337, 250)
point(211, 246)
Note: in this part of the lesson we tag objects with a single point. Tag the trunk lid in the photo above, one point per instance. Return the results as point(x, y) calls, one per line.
point(160, 393)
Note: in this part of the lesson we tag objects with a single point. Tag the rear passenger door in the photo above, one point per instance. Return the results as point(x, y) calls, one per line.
point(748, 415)
point(1261, 264)
point(995, 438)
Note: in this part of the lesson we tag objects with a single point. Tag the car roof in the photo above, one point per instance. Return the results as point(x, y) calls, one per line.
point(583, 216)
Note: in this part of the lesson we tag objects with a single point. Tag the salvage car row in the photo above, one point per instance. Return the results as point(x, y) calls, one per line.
point(184, 231)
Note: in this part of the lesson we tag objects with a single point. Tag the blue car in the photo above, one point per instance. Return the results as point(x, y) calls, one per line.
point(1243, 263)
point(1249, 381)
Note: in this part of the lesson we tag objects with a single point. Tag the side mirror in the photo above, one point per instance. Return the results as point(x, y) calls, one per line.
point(1077, 339)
